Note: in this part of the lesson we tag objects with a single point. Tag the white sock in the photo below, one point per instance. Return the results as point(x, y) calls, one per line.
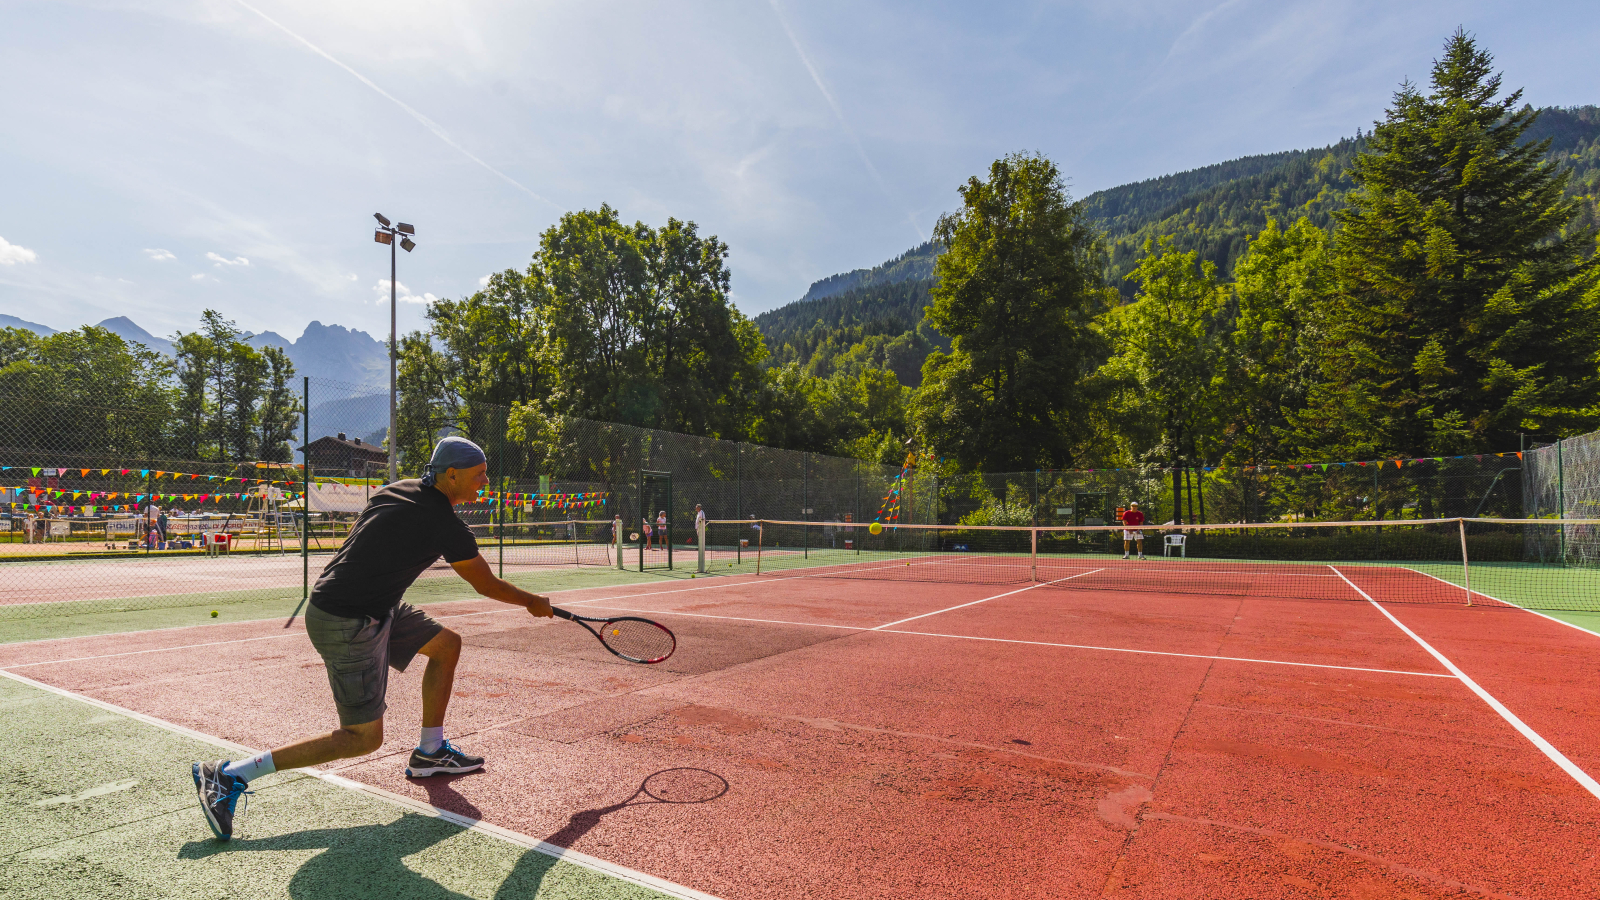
point(432, 739)
point(249, 770)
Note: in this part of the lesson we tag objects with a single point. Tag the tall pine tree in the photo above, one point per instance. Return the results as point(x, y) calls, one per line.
point(1467, 309)
point(1018, 288)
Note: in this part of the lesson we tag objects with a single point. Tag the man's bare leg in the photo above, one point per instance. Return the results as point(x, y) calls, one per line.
point(443, 652)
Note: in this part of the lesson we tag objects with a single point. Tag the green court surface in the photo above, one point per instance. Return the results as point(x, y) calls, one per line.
point(103, 805)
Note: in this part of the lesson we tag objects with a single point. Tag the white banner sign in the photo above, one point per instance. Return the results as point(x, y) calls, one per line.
point(332, 497)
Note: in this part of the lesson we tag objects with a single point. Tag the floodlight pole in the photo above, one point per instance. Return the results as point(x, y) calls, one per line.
point(393, 353)
point(386, 234)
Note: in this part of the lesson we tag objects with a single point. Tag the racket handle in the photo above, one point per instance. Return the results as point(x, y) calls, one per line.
point(562, 613)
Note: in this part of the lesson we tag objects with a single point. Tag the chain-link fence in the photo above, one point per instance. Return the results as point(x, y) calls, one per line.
point(118, 506)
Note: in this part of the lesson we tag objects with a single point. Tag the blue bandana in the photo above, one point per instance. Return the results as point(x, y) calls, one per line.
point(452, 453)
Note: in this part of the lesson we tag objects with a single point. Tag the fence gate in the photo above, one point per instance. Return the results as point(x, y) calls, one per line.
point(655, 520)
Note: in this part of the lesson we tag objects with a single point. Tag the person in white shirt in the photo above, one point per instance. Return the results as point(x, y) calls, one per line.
point(661, 529)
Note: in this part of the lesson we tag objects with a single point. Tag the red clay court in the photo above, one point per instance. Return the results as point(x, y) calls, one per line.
point(890, 738)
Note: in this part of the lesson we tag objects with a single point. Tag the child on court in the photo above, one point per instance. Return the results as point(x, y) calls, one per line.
point(1132, 519)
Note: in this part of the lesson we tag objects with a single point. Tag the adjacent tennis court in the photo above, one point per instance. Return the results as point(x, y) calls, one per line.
point(836, 728)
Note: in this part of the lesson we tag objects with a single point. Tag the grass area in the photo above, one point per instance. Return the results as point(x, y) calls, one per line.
point(104, 806)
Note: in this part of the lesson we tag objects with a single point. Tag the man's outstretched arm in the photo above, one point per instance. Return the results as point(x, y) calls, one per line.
point(477, 573)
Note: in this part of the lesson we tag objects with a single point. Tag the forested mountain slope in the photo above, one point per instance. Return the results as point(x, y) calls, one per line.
point(873, 315)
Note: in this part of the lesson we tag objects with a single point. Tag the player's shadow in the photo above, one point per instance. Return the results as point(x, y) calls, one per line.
point(370, 860)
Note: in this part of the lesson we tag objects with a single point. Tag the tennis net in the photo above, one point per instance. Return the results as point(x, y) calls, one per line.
point(571, 542)
point(1533, 563)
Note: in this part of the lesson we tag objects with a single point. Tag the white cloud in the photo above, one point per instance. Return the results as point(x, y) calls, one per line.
point(11, 253)
point(224, 261)
point(484, 281)
point(401, 293)
point(159, 255)
point(198, 276)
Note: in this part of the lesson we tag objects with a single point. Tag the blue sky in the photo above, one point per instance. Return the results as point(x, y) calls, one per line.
point(160, 158)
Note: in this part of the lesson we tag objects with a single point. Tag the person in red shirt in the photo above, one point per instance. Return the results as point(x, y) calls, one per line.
point(1132, 518)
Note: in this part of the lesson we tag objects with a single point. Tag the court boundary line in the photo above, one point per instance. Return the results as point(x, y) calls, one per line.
point(582, 860)
point(1510, 604)
point(506, 608)
point(1549, 750)
point(855, 628)
point(1245, 659)
point(861, 629)
point(987, 599)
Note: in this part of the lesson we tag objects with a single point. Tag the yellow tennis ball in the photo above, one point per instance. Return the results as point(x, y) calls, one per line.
point(213, 614)
point(875, 528)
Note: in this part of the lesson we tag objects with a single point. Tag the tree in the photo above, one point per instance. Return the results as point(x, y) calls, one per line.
point(1468, 307)
point(1167, 348)
point(641, 328)
point(86, 394)
point(279, 414)
point(1282, 287)
point(1018, 288)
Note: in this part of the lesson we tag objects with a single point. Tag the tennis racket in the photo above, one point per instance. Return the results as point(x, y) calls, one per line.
point(630, 637)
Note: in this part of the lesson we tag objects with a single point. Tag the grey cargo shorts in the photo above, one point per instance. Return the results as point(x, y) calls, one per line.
point(359, 652)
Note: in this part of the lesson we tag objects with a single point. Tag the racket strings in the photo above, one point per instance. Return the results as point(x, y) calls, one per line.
point(638, 639)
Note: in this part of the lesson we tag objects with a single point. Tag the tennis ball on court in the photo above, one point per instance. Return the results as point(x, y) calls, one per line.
point(875, 528)
point(213, 614)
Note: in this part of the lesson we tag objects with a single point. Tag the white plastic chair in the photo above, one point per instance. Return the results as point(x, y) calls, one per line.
point(1175, 540)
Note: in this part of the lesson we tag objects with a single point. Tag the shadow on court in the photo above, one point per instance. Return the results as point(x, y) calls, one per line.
point(370, 860)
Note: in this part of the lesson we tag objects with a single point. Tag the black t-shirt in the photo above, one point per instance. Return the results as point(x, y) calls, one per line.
point(405, 528)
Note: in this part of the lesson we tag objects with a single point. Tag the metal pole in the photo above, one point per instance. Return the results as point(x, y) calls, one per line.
point(1466, 569)
point(305, 495)
point(1561, 500)
point(500, 480)
point(738, 501)
point(394, 352)
point(805, 500)
point(1033, 553)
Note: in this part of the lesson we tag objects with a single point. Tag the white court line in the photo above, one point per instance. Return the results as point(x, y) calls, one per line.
point(968, 637)
point(1268, 662)
point(987, 599)
point(669, 612)
point(1545, 747)
point(1507, 603)
point(487, 612)
point(582, 860)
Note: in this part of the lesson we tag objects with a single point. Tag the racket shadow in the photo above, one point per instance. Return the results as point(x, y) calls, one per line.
point(677, 787)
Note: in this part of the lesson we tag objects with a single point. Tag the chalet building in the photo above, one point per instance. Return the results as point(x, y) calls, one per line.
point(340, 457)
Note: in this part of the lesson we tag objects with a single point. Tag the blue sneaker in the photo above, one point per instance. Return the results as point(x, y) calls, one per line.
point(447, 760)
point(219, 792)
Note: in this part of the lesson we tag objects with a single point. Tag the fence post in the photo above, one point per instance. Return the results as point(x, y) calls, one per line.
point(738, 500)
point(500, 482)
point(1561, 501)
point(1466, 568)
point(305, 487)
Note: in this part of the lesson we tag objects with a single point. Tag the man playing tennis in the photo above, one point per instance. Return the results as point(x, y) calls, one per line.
point(1132, 520)
point(360, 626)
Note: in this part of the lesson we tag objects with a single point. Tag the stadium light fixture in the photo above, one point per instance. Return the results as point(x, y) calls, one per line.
point(386, 235)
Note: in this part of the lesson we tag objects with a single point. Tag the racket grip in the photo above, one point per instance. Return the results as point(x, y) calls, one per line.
point(558, 611)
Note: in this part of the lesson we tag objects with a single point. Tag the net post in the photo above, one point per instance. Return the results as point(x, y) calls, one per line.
point(761, 539)
point(1466, 567)
point(1033, 551)
point(616, 536)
